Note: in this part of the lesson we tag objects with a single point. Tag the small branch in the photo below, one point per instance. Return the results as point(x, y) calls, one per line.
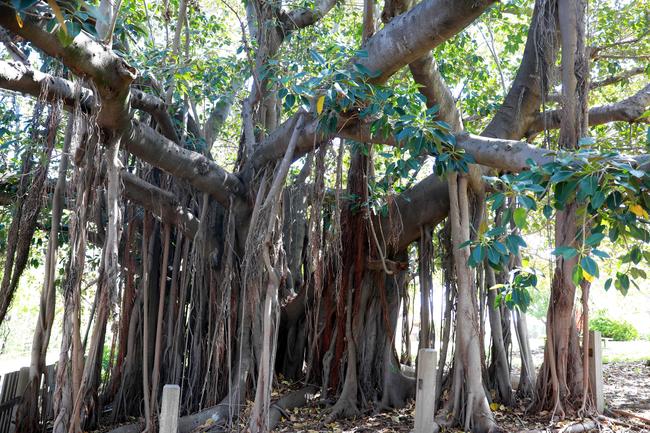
point(594, 52)
point(612, 79)
point(157, 108)
point(15, 52)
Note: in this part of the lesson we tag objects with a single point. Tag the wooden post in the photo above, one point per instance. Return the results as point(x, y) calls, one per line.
point(168, 421)
point(596, 370)
point(21, 386)
point(425, 398)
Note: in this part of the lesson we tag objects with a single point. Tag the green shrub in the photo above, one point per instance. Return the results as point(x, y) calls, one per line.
point(617, 330)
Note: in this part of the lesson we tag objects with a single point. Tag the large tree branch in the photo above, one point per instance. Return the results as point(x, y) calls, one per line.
point(204, 174)
point(413, 34)
point(20, 78)
point(140, 140)
point(156, 107)
point(425, 72)
point(85, 57)
point(627, 110)
point(305, 17)
point(161, 203)
point(405, 39)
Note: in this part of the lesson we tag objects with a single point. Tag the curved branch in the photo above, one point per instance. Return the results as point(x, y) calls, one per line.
point(425, 72)
point(531, 82)
point(161, 203)
point(399, 44)
point(157, 108)
point(627, 110)
point(205, 175)
point(139, 139)
point(304, 17)
point(393, 47)
point(85, 57)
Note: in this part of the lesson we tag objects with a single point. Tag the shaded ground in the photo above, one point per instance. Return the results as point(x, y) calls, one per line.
point(627, 388)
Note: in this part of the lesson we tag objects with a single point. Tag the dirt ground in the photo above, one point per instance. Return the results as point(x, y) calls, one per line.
point(627, 396)
point(626, 387)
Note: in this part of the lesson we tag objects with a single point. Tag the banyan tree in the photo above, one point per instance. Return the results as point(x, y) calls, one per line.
point(260, 184)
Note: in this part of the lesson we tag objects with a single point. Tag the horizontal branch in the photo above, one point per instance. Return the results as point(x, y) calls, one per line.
point(305, 17)
point(139, 139)
point(204, 174)
point(84, 56)
point(627, 110)
point(161, 203)
point(612, 79)
point(20, 78)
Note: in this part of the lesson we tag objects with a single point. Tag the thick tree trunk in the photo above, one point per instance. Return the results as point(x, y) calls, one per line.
point(468, 401)
point(560, 385)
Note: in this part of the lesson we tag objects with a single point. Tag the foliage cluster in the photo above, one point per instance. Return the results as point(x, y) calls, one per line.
point(618, 330)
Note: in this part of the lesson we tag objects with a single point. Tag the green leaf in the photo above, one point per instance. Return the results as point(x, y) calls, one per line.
point(493, 257)
point(500, 248)
point(519, 216)
point(563, 191)
point(589, 265)
point(477, 255)
point(317, 57)
point(595, 239)
point(547, 211)
point(587, 187)
point(622, 283)
point(289, 101)
point(365, 71)
point(23, 5)
point(527, 202)
point(499, 199)
point(608, 284)
point(597, 199)
point(560, 176)
point(514, 242)
point(599, 253)
point(565, 251)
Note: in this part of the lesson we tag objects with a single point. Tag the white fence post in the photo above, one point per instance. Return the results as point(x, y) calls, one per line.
point(425, 397)
point(596, 370)
point(168, 421)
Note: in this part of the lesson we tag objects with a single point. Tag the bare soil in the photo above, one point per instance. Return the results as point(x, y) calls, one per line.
point(627, 389)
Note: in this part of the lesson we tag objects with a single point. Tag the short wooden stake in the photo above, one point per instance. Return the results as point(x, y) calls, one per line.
point(596, 370)
point(169, 407)
point(425, 397)
point(21, 386)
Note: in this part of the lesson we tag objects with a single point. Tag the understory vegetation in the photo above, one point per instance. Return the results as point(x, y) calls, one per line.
point(617, 330)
